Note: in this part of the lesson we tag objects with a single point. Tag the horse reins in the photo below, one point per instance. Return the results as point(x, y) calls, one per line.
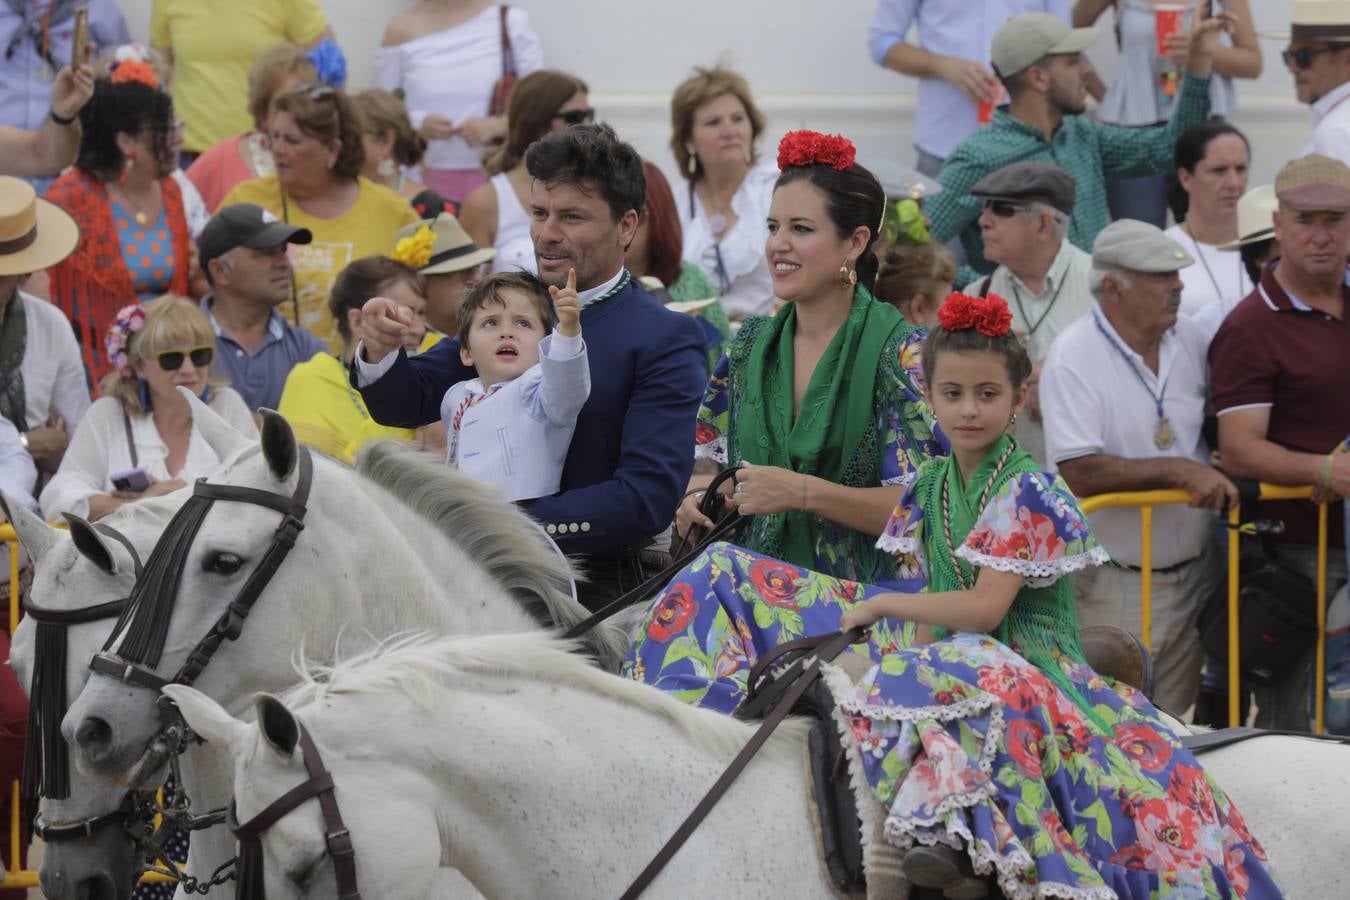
point(230, 624)
point(725, 522)
point(337, 838)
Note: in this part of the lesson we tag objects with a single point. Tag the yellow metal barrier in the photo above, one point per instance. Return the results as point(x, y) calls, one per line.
point(1145, 501)
point(15, 877)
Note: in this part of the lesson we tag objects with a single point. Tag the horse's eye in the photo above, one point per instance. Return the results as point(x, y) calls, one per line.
point(222, 563)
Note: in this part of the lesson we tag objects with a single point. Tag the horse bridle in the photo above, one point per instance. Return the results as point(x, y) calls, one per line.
point(338, 839)
point(230, 624)
point(46, 770)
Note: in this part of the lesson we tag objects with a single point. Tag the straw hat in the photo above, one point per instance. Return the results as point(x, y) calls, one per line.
point(34, 233)
point(1255, 211)
point(451, 248)
point(1317, 20)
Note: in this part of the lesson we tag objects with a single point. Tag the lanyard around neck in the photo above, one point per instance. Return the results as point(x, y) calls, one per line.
point(1017, 298)
point(1158, 397)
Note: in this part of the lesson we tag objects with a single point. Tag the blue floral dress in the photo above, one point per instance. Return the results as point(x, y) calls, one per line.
point(964, 742)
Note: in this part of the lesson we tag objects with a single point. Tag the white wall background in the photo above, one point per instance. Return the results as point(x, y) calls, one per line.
point(806, 61)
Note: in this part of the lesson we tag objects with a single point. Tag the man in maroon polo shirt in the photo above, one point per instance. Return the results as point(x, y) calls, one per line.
point(1280, 373)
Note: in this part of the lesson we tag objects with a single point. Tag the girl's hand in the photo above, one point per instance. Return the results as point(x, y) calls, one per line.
point(764, 490)
point(863, 615)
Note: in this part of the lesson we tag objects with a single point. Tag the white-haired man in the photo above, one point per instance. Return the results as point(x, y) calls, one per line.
point(1041, 274)
point(1124, 397)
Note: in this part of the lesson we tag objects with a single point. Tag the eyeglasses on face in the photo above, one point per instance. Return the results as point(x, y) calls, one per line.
point(1004, 209)
point(577, 116)
point(172, 360)
point(1303, 57)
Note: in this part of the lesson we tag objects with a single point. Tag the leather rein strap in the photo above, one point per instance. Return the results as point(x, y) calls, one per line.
point(231, 622)
point(827, 648)
point(319, 785)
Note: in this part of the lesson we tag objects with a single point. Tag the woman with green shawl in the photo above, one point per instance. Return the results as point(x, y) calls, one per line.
point(817, 402)
point(982, 729)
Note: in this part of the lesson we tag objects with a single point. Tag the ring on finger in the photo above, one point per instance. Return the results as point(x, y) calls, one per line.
point(739, 487)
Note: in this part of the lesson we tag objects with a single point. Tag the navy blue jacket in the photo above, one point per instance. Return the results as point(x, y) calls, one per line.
point(632, 453)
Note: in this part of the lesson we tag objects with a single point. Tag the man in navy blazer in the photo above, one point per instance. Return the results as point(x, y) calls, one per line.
point(631, 456)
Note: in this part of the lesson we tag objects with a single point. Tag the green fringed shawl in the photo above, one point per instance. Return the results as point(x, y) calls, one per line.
point(834, 434)
point(1042, 621)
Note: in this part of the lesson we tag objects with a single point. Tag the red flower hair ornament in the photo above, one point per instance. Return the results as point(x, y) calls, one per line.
point(129, 70)
point(811, 148)
point(987, 315)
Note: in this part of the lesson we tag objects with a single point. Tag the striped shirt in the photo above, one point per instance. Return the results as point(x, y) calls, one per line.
point(1088, 150)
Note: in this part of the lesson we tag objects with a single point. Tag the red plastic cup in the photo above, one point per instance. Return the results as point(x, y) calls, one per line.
point(1167, 21)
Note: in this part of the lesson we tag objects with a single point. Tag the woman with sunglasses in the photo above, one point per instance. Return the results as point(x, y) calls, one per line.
point(138, 440)
point(715, 124)
point(135, 241)
point(1145, 84)
point(318, 151)
point(497, 214)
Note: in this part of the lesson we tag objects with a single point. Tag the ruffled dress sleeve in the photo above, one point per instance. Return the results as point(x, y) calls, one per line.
point(1033, 527)
point(903, 539)
point(714, 416)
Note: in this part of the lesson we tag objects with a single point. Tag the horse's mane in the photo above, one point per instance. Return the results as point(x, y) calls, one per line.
point(493, 533)
point(423, 668)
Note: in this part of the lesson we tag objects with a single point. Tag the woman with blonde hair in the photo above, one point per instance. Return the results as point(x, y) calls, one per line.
point(392, 144)
point(714, 125)
point(496, 214)
point(138, 439)
point(915, 279)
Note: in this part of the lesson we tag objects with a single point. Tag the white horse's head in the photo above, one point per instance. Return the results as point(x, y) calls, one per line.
point(403, 544)
point(77, 570)
point(398, 851)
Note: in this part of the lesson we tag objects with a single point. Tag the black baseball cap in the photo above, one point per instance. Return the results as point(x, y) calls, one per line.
point(246, 225)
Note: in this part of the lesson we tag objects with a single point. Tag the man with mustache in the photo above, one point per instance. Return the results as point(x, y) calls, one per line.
point(1123, 392)
point(1280, 372)
point(629, 460)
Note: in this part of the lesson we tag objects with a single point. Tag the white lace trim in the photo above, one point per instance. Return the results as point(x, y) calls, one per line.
point(715, 450)
point(892, 544)
point(1038, 573)
point(894, 480)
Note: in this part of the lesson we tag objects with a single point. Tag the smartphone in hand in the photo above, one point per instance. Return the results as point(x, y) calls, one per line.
point(131, 481)
point(79, 44)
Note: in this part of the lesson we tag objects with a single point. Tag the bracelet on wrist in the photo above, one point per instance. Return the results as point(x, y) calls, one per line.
point(1324, 480)
point(60, 119)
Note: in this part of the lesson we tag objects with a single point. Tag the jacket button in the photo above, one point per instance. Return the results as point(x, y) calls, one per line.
point(585, 526)
point(573, 528)
point(552, 529)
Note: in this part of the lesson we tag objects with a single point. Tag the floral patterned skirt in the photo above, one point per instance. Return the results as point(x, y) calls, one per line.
point(710, 625)
point(967, 744)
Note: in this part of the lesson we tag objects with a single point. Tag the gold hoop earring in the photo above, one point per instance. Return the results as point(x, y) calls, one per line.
point(847, 277)
point(1012, 420)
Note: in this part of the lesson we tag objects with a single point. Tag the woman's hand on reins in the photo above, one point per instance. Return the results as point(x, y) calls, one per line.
point(764, 490)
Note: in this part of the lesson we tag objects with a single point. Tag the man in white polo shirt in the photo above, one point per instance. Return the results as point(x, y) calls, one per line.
point(1123, 392)
point(1318, 56)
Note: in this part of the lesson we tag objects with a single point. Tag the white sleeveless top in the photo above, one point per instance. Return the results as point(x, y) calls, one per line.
point(515, 247)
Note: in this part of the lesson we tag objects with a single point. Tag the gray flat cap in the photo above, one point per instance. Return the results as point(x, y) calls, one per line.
point(1029, 182)
point(1138, 247)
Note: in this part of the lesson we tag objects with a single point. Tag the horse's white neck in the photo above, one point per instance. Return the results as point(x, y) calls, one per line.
point(532, 803)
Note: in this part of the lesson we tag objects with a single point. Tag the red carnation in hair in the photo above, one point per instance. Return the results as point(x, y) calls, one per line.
point(129, 70)
point(987, 315)
point(810, 148)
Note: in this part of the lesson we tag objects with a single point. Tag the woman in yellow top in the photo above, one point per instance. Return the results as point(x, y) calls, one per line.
point(318, 151)
point(326, 412)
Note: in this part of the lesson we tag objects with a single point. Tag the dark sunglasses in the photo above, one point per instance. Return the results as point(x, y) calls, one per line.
point(1003, 208)
point(1304, 56)
point(577, 116)
point(172, 360)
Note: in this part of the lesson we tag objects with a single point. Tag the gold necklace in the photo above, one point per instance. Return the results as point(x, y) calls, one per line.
point(138, 212)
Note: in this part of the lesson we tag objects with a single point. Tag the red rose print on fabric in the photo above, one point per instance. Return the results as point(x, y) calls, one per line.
point(775, 582)
point(673, 612)
point(1144, 745)
point(1024, 746)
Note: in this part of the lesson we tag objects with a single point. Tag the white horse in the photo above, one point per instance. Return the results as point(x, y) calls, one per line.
point(76, 570)
point(466, 752)
point(533, 773)
point(403, 544)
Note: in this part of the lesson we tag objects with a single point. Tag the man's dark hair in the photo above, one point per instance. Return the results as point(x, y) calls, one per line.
point(1255, 256)
point(593, 158)
point(1017, 82)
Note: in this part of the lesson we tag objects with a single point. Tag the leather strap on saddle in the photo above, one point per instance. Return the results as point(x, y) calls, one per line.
point(319, 786)
point(827, 648)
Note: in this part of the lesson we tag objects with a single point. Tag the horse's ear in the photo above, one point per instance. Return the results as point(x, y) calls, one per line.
point(91, 544)
point(278, 724)
point(278, 443)
point(35, 535)
point(222, 437)
point(205, 716)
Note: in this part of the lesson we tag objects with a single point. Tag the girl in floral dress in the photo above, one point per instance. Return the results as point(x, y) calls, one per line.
point(998, 737)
